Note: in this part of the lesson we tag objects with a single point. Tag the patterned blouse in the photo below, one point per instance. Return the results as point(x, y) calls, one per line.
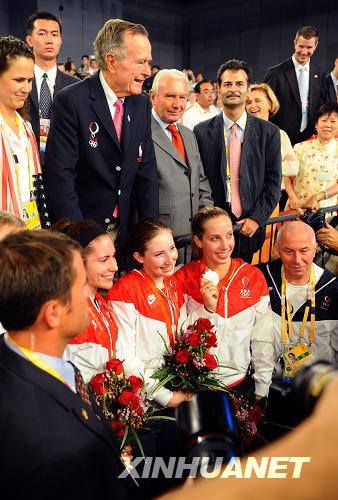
point(318, 170)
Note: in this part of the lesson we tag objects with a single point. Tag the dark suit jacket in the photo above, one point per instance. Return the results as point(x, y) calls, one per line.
point(260, 167)
point(331, 96)
point(283, 80)
point(184, 187)
point(62, 80)
point(52, 444)
point(87, 182)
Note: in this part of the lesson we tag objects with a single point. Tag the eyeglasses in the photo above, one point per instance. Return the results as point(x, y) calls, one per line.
point(206, 92)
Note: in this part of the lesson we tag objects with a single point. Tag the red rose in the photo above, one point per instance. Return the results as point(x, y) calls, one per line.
point(210, 361)
point(203, 324)
point(255, 414)
point(118, 427)
point(97, 383)
point(211, 339)
point(182, 356)
point(115, 365)
point(127, 398)
point(140, 410)
point(194, 339)
point(135, 383)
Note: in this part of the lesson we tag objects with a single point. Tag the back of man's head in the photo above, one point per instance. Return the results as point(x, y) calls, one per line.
point(48, 16)
point(35, 267)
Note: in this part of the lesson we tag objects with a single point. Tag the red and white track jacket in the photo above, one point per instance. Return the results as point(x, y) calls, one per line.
point(96, 345)
point(143, 315)
point(242, 320)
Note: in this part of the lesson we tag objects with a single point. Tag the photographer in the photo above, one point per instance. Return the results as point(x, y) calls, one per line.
point(328, 236)
point(316, 438)
point(305, 313)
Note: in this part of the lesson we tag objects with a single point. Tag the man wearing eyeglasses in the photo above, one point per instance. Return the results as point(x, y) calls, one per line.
point(203, 109)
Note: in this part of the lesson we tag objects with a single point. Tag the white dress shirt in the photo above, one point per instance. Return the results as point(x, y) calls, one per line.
point(51, 77)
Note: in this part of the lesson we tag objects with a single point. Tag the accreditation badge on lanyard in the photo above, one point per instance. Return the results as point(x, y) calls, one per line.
point(296, 356)
point(44, 129)
point(29, 209)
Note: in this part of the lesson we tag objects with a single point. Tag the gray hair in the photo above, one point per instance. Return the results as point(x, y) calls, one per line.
point(7, 219)
point(173, 73)
point(110, 39)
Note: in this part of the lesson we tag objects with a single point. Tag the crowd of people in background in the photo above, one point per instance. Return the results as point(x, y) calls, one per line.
point(101, 167)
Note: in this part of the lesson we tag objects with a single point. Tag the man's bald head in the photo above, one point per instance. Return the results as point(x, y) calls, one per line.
point(296, 243)
point(296, 228)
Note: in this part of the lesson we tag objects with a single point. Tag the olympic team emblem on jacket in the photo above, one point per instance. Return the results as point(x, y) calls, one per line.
point(93, 129)
point(245, 292)
point(151, 299)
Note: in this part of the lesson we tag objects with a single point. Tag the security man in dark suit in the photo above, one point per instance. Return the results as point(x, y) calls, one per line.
point(332, 85)
point(44, 36)
point(299, 86)
point(55, 442)
point(100, 159)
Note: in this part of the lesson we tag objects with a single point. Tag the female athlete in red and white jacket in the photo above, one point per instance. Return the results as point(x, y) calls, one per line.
point(148, 306)
point(234, 296)
point(91, 349)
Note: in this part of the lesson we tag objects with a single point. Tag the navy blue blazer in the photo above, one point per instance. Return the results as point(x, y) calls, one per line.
point(283, 81)
point(88, 182)
point(260, 167)
point(52, 444)
point(62, 80)
point(331, 96)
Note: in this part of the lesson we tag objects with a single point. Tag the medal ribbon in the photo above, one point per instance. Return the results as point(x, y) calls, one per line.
point(287, 331)
point(34, 358)
point(167, 305)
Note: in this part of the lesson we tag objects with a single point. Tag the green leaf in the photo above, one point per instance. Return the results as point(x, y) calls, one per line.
point(139, 444)
point(125, 435)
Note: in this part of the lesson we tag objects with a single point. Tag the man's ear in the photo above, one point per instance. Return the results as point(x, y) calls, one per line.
point(111, 60)
point(51, 313)
point(29, 40)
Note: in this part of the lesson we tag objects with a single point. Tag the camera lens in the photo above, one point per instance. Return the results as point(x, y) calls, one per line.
point(310, 383)
point(207, 426)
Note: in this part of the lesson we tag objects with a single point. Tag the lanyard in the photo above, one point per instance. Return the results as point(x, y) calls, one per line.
point(22, 133)
point(310, 307)
point(98, 314)
point(167, 304)
point(34, 358)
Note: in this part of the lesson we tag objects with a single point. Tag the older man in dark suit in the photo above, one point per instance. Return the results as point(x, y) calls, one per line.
point(55, 442)
point(100, 158)
point(44, 36)
point(299, 86)
point(241, 156)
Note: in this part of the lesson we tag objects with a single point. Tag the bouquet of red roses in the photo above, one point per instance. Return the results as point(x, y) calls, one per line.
point(250, 416)
point(188, 365)
point(122, 401)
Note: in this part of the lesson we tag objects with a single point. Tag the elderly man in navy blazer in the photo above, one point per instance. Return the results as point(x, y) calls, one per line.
point(241, 155)
point(100, 160)
point(299, 85)
point(55, 442)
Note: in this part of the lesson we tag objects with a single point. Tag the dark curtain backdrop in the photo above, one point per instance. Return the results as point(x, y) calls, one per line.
point(197, 34)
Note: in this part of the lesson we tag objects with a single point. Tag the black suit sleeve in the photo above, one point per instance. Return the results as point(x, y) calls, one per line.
point(265, 205)
point(62, 156)
point(146, 186)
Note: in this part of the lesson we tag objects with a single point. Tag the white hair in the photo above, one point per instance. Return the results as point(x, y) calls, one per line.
point(173, 73)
